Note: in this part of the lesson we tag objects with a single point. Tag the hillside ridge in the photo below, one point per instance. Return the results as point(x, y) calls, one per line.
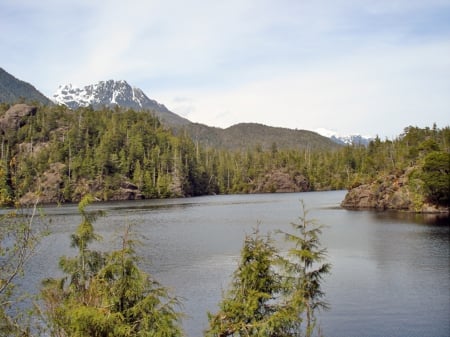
point(13, 90)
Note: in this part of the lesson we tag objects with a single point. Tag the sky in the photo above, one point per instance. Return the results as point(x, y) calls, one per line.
point(370, 67)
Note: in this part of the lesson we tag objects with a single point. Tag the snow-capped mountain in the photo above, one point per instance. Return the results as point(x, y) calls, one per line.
point(111, 93)
point(345, 139)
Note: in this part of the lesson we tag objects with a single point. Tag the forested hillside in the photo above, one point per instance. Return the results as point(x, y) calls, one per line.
point(14, 90)
point(58, 155)
point(253, 135)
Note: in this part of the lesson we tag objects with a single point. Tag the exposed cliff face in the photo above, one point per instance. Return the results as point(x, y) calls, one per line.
point(391, 193)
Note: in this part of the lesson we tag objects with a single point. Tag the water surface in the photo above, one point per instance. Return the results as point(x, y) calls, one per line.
point(390, 275)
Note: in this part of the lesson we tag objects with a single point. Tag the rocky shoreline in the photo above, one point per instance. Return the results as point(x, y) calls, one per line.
point(392, 193)
point(51, 186)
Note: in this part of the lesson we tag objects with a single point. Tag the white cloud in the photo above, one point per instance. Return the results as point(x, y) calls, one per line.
point(374, 90)
point(352, 66)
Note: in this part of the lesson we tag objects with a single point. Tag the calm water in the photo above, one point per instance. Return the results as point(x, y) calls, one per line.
point(390, 276)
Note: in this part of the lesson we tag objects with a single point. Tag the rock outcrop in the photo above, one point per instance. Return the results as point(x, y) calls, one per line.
point(279, 181)
point(127, 191)
point(390, 193)
point(15, 117)
point(48, 187)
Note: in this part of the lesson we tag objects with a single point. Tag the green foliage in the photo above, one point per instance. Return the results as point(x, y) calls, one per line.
point(144, 306)
point(106, 294)
point(306, 268)
point(6, 193)
point(248, 309)
point(273, 296)
point(436, 177)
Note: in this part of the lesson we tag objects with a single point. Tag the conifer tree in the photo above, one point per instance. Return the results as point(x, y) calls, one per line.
point(306, 267)
point(68, 300)
point(144, 306)
point(436, 177)
point(250, 308)
point(106, 294)
point(6, 195)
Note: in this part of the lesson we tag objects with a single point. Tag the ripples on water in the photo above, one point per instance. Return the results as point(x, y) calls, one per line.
point(390, 273)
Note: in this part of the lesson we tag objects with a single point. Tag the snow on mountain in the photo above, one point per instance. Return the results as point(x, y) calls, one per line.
point(113, 93)
point(104, 93)
point(354, 139)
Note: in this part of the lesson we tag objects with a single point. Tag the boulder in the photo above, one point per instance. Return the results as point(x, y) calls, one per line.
point(127, 191)
point(359, 197)
point(15, 117)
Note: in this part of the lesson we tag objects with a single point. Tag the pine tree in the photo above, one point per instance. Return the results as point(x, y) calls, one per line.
point(306, 267)
point(68, 300)
point(436, 177)
point(106, 294)
point(6, 195)
point(250, 308)
point(144, 306)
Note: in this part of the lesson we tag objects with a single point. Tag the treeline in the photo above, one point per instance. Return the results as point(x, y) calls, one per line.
point(64, 154)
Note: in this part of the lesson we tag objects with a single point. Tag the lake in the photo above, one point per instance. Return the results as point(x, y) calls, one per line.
point(390, 274)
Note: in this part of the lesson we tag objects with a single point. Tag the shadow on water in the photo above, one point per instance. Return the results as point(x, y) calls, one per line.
point(158, 205)
point(433, 219)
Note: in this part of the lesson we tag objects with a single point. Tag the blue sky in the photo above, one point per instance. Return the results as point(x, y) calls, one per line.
point(369, 66)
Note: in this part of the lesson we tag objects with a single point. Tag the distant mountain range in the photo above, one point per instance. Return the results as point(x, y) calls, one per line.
point(13, 90)
point(119, 93)
point(345, 139)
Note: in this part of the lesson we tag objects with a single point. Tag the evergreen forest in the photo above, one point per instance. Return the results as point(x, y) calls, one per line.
point(59, 155)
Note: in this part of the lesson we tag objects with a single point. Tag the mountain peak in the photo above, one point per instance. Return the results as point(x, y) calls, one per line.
point(103, 93)
point(112, 93)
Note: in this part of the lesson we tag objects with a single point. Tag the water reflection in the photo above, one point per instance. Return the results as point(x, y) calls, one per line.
point(418, 218)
